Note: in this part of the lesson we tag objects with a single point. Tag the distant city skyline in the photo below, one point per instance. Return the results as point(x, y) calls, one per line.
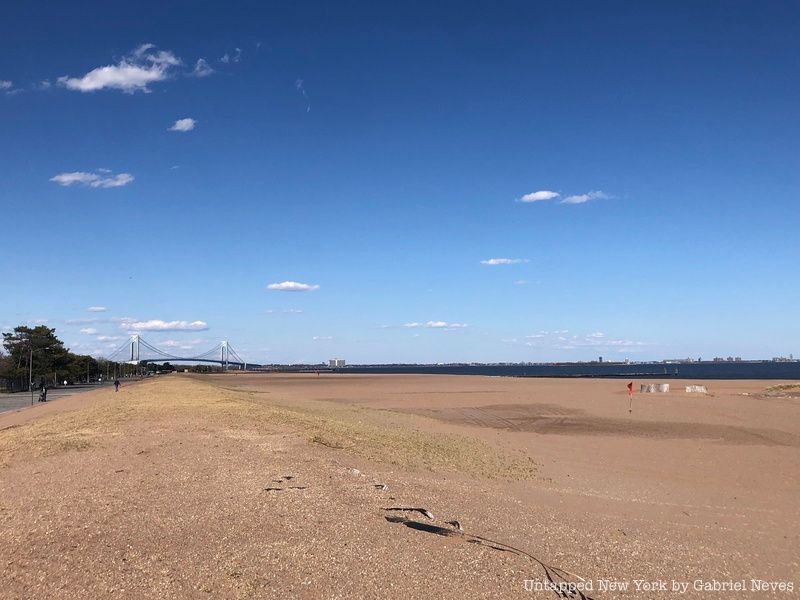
point(385, 184)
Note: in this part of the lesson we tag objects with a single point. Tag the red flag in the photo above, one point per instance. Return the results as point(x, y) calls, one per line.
point(630, 389)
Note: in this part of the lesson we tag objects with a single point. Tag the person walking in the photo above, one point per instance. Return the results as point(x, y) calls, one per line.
point(116, 385)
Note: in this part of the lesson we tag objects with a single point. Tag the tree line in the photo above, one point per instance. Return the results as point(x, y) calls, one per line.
point(38, 356)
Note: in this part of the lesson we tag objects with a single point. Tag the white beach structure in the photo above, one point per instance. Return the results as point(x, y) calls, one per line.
point(696, 389)
point(654, 388)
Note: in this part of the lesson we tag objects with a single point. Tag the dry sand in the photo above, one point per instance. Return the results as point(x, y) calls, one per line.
point(271, 486)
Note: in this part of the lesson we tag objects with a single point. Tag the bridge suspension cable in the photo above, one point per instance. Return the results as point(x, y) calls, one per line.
point(234, 354)
point(222, 353)
point(158, 351)
point(125, 345)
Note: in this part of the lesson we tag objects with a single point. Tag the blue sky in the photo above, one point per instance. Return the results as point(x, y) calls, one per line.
point(380, 156)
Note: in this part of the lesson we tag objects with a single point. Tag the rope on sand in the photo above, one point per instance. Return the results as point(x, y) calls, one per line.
point(563, 582)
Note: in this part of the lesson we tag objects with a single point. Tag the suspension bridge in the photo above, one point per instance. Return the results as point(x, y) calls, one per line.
point(139, 351)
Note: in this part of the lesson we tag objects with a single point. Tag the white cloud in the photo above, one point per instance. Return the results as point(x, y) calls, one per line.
point(521, 282)
point(298, 84)
point(202, 68)
point(89, 330)
point(93, 180)
point(504, 261)
point(581, 198)
point(596, 340)
point(109, 338)
point(573, 199)
point(227, 58)
point(286, 311)
point(181, 345)
point(292, 286)
point(97, 309)
point(183, 125)
point(170, 343)
point(158, 325)
point(322, 338)
point(6, 84)
point(435, 325)
point(539, 196)
point(133, 73)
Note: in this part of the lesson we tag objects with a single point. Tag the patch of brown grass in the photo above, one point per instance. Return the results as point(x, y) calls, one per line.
point(379, 435)
point(791, 390)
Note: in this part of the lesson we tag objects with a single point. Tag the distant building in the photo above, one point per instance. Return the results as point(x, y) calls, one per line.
point(600, 359)
point(336, 362)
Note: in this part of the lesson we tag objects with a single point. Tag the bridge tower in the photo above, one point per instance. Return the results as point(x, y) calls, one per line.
point(224, 354)
point(134, 348)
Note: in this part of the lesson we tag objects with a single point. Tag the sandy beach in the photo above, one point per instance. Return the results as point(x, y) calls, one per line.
point(271, 486)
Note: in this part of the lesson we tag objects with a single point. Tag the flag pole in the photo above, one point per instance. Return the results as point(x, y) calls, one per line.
point(630, 397)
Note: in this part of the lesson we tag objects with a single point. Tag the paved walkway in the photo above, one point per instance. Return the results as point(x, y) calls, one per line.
point(23, 399)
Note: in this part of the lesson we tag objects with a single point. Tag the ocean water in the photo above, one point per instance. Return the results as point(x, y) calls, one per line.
point(704, 370)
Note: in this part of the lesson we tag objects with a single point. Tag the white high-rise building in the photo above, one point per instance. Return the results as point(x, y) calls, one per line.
point(336, 362)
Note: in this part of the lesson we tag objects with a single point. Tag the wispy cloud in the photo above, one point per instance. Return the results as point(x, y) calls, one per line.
point(286, 311)
point(597, 340)
point(89, 330)
point(298, 84)
point(539, 196)
point(101, 179)
point(504, 261)
point(180, 344)
point(202, 68)
point(543, 195)
point(110, 338)
point(322, 338)
point(159, 325)
point(97, 309)
point(292, 286)
point(521, 282)
point(581, 198)
point(186, 124)
point(134, 72)
point(435, 325)
point(8, 88)
point(227, 58)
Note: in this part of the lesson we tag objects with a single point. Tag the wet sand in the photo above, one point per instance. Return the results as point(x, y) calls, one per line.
point(250, 485)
